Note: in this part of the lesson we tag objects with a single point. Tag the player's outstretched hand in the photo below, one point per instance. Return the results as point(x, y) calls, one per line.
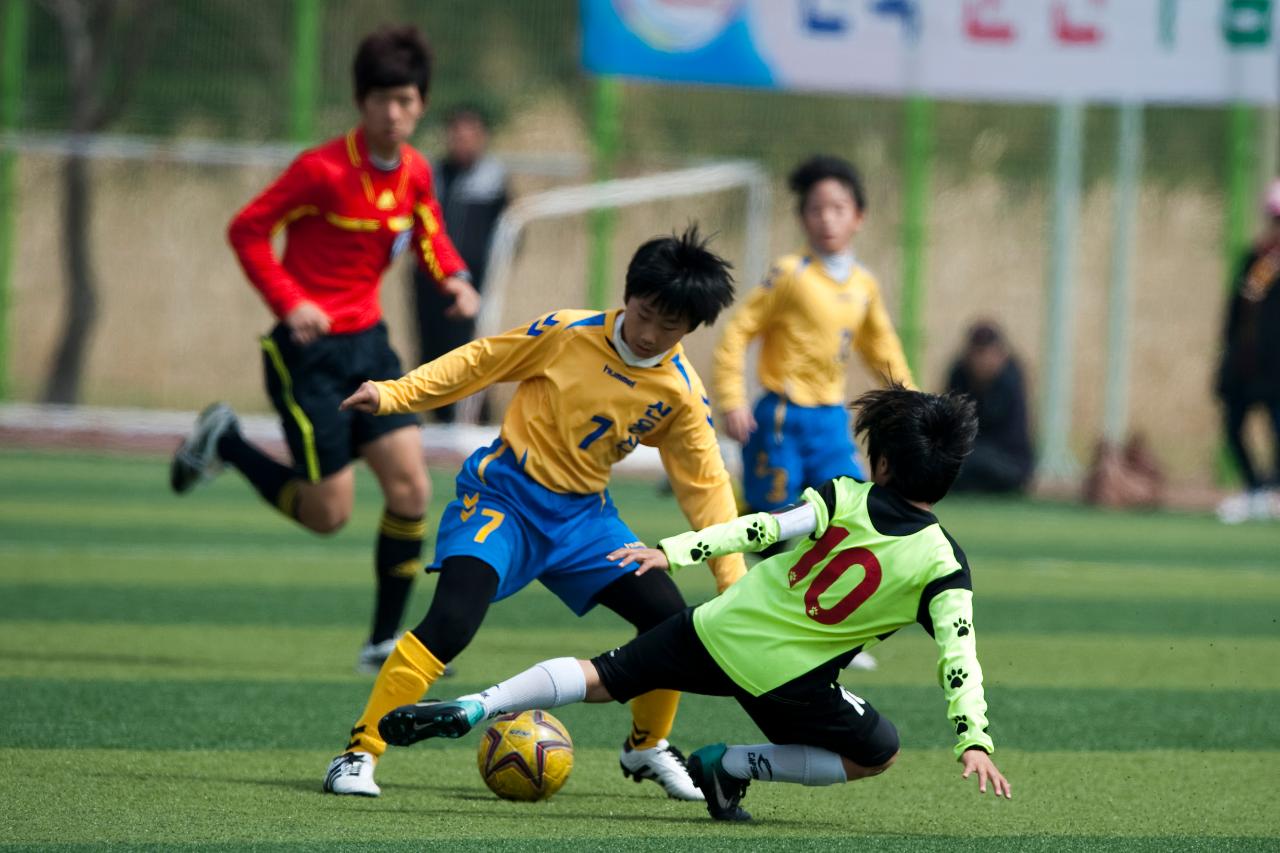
point(307, 322)
point(466, 299)
point(739, 423)
point(365, 399)
point(977, 761)
point(643, 559)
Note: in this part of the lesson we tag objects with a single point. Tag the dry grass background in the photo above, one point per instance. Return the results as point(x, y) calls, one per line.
point(178, 323)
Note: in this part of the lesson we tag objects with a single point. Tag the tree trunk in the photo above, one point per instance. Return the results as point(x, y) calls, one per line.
point(93, 32)
point(63, 385)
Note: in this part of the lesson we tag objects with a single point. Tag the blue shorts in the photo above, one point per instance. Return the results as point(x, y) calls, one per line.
point(527, 532)
point(795, 447)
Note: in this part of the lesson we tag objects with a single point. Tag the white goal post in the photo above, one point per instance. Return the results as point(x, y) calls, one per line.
point(623, 192)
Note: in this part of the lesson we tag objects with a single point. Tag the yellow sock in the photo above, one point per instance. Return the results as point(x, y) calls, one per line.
point(652, 716)
point(409, 670)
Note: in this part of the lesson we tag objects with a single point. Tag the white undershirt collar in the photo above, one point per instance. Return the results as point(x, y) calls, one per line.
point(384, 165)
point(629, 358)
point(839, 266)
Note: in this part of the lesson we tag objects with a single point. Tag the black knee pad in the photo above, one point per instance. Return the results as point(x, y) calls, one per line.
point(881, 745)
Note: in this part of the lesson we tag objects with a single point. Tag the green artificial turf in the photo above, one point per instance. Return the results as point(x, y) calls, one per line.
point(176, 673)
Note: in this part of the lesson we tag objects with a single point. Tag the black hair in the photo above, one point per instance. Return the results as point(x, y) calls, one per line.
point(467, 112)
point(984, 334)
point(924, 438)
point(682, 277)
point(820, 167)
point(392, 56)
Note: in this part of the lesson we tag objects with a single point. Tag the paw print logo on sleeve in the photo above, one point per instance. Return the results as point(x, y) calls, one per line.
point(963, 627)
point(700, 552)
point(956, 677)
point(755, 532)
point(962, 724)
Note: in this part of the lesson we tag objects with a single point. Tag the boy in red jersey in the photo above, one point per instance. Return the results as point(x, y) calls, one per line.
point(348, 208)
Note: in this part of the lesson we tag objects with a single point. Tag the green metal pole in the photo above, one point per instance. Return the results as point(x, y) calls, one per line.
point(607, 115)
point(1128, 178)
point(13, 60)
point(305, 72)
point(1242, 184)
point(1242, 189)
point(915, 213)
point(1056, 460)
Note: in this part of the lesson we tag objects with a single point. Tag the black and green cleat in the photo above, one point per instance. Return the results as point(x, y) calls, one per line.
point(409, 724)
point(723, 792)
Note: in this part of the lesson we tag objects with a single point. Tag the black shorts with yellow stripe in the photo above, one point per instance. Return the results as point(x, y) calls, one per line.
point(306, 384)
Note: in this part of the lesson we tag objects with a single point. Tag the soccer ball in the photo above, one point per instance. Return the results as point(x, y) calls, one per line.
point(525, 756)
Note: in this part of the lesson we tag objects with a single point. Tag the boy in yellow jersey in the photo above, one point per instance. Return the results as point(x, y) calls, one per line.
point(814, 308)
point(534, 505)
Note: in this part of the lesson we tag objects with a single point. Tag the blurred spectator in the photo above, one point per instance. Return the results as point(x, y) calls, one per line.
point(1002, 459)
point(1249, 375)
point(472, 188)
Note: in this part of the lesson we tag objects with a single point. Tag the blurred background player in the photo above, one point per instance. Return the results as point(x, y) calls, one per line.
point(348, 208)
point(815, 307)
point(813, 310)
point(535, 505)
point(472, 188)
point(774, 640)
point(1249, 375)
point(1002, 459)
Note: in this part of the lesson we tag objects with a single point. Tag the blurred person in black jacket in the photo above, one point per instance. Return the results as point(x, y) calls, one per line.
point(472, 187)
point(1002, 460)
point(1249, 375)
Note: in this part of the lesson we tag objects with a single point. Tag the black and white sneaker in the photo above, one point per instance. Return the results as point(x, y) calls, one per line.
point(723, 792)
point(352, 773)
point(373, 655)
point(196, 460)
point(663, 764)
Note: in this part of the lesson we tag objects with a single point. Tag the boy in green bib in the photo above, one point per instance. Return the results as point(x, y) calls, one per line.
point(873, 559)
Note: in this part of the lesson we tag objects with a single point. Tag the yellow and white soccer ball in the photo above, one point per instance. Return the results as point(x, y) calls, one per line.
point(525, 756)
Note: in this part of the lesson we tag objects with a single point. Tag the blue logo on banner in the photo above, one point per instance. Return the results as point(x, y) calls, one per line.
point(708, 41)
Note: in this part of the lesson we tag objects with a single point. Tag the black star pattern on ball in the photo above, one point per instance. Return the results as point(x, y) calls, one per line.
point(956, 677)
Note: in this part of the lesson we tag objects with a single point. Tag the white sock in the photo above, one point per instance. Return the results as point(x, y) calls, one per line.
point(549, 684)
point(768, 762)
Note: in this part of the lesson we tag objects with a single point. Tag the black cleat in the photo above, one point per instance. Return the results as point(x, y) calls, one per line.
point(409, 724)
point(196, 459)
point(723, 792)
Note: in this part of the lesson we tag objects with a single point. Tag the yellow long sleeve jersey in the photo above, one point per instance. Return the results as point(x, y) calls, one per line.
point(579, 409)
point(809, 324)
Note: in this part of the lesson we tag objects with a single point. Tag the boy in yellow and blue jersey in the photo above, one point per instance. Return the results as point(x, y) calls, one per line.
point(873, 559)
point(534, 505)
point(811, 312)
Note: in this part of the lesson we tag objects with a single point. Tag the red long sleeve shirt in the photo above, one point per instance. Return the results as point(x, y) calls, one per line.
point(346, 220)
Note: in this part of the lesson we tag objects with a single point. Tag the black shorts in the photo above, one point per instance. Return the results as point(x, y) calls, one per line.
point(813, 710)
point(306, 384)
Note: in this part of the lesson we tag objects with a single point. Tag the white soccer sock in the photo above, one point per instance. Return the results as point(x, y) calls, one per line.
point(549, 684)
point(768, 762)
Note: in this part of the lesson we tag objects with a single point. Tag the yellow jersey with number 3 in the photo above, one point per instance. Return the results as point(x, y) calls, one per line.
point(809, 325)
point(579, 409)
